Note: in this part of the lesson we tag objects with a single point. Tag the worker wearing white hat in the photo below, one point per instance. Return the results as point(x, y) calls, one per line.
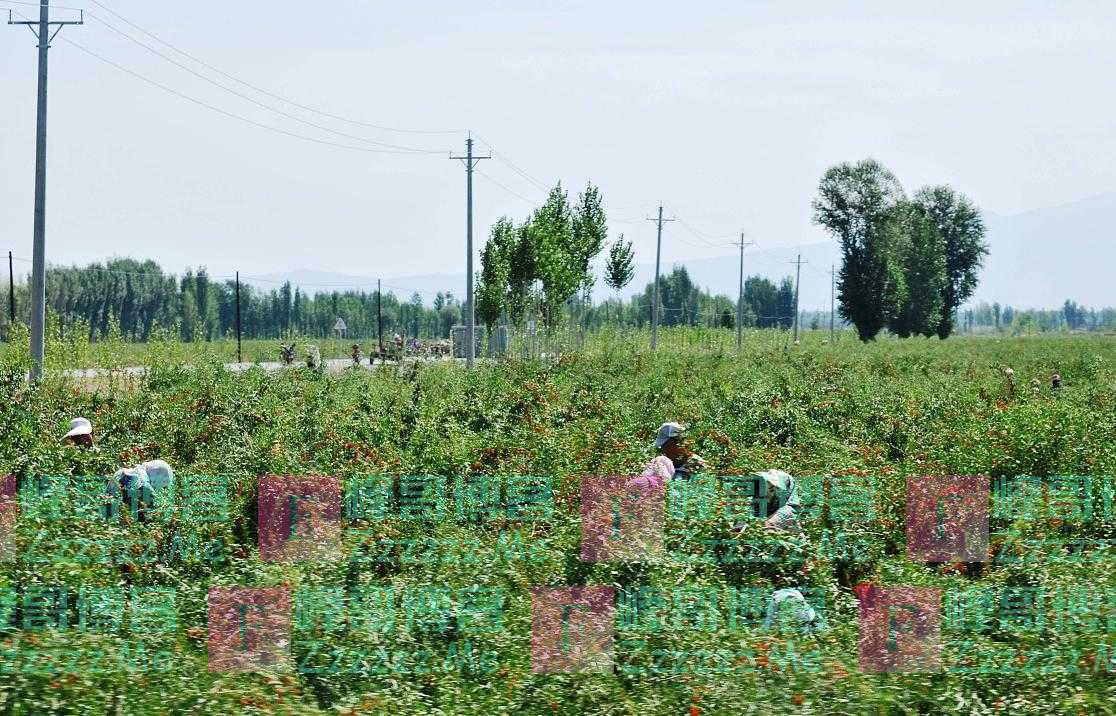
point(81, 433)
point(674, 461)
point(138, 485)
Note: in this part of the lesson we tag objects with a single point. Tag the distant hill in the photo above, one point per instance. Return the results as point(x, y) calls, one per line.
point(1037, 259)
point(1042, 257)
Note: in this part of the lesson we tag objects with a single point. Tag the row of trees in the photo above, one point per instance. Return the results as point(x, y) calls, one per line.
point(543, 267)
point(908, 264)
point(544, 264)
point(138, 295)
point(683, 303)
point(1072, 316)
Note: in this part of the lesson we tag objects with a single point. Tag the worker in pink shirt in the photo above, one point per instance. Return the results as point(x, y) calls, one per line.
point(674, 461)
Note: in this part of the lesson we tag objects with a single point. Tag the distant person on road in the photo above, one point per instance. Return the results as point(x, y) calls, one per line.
point(313, 357)
point(356, 354)
point(674, 461)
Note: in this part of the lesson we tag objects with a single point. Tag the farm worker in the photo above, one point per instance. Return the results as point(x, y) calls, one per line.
point(789, 607)
point(1055, 382)
point(313, 357)
point(81, 433)
point(783, 502)
point(85, 457)
point(674, 461)
point(141, 482)
point(780, 510)
point(140, 485)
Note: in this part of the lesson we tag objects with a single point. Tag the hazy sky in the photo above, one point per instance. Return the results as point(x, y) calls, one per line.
point(728, 112)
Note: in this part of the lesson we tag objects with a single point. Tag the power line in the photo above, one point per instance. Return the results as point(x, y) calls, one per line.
point(35, 4)
point(501, 158)
point(703, 237)
point(246, 120)
point(256, 102)
point(505, 188)
point(260, 89)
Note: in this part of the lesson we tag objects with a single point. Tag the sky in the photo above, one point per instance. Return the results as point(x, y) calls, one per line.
point(725, 112)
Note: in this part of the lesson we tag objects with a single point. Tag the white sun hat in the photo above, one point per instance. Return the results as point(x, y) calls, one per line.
point(159, 474)
point(668, 431)
point(79, 426)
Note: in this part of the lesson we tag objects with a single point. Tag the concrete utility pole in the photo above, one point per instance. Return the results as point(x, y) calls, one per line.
point(38, 257)
point(379, 318)
point(655, 286)
point(740, 297)
point(797, 278)
point(11, 293)
point(470, 162)
point(832, 302)
point(239, 356)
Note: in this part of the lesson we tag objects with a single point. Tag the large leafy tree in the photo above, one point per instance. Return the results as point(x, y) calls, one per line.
point(856, 203)
point(962, 230)
point(621, 264)
point(921, 253)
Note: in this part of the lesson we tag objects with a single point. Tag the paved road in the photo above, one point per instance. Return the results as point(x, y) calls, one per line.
point(333, 365)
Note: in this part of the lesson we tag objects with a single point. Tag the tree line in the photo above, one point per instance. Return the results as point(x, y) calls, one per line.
point(136, 297)
point(542, 268)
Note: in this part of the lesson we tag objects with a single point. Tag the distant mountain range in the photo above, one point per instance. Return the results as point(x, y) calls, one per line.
point(1037, 259)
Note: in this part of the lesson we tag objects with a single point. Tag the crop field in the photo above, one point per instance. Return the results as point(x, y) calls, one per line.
point(445, 568)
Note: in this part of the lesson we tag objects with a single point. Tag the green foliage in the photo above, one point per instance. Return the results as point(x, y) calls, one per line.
point(856, 204)
point(903, 261)
point(137, 296)
point(886, 410)
point(621, 264)
point(590, 231)
point(962, 229)
point(549, 257)
point(492, 284)
point(921, 253)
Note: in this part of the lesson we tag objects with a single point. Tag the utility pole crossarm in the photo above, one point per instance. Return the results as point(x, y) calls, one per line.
point(51, 23)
